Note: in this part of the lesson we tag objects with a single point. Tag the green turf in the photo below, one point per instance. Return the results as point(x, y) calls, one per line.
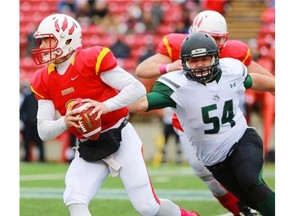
point(50, 207)
point(50, 177)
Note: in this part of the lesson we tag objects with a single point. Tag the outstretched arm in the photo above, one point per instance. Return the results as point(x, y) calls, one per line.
point(139, 106)
point(157, 99)
point(254, 67)
point(156, 65)
point(262, 83)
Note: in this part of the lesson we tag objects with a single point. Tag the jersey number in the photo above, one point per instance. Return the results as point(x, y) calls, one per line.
point(227, 116)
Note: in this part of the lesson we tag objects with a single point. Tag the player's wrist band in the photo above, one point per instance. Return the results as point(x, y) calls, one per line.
point(163, 68)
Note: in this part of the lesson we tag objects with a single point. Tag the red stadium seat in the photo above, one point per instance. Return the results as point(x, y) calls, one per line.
point(128, 64)
point(92, 30)
point(27, 65)
point(173, 14)
point(165, 29)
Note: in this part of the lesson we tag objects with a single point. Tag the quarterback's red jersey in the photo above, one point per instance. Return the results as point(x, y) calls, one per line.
point(81, 80)
point(171, 46)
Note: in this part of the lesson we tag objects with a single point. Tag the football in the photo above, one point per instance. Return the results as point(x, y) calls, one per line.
point(90, 128)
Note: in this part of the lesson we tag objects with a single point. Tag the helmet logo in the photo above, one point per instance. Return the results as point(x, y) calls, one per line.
point(71, 30)
point(198, 51)
point(198, 22)
point(56, 25)
point(64, 26)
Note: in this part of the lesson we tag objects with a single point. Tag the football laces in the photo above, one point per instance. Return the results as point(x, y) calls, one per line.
point(82, 126)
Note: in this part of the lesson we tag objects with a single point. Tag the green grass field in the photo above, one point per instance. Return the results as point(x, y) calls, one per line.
point(42, 185)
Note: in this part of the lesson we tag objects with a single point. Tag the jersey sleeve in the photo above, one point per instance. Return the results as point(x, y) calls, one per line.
point(100, 58)
point(38, 84)
point(105, 60)
point(237, 50)
point(248, 82)
point(159, 97)
point(171, 45)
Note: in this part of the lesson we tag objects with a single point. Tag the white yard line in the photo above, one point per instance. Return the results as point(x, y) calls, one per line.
point(118, 194)
point(42, 177)
point(162, 172)
point(226, 214)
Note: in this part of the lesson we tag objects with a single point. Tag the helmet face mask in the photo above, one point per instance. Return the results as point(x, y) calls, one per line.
point(200, 46)
point(202, 74)
point(220, 40)
point(62, 35)
point(213, 23)
point(49, 54)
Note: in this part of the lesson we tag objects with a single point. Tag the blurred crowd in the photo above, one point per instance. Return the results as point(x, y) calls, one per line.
point(110, 18)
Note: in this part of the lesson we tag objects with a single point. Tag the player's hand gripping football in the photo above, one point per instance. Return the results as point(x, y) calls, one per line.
point(72, 116)
point(98, 107)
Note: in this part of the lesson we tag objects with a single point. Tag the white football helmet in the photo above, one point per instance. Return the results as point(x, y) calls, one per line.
point(213, 23)
point(66, 32)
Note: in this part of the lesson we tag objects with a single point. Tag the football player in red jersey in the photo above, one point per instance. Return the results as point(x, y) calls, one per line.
point(92, 74)
point(167, 59)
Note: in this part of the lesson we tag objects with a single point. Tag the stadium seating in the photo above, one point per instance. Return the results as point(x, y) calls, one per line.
point(32, 12)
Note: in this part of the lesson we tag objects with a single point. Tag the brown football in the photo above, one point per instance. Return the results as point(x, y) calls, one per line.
point(90, 128)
